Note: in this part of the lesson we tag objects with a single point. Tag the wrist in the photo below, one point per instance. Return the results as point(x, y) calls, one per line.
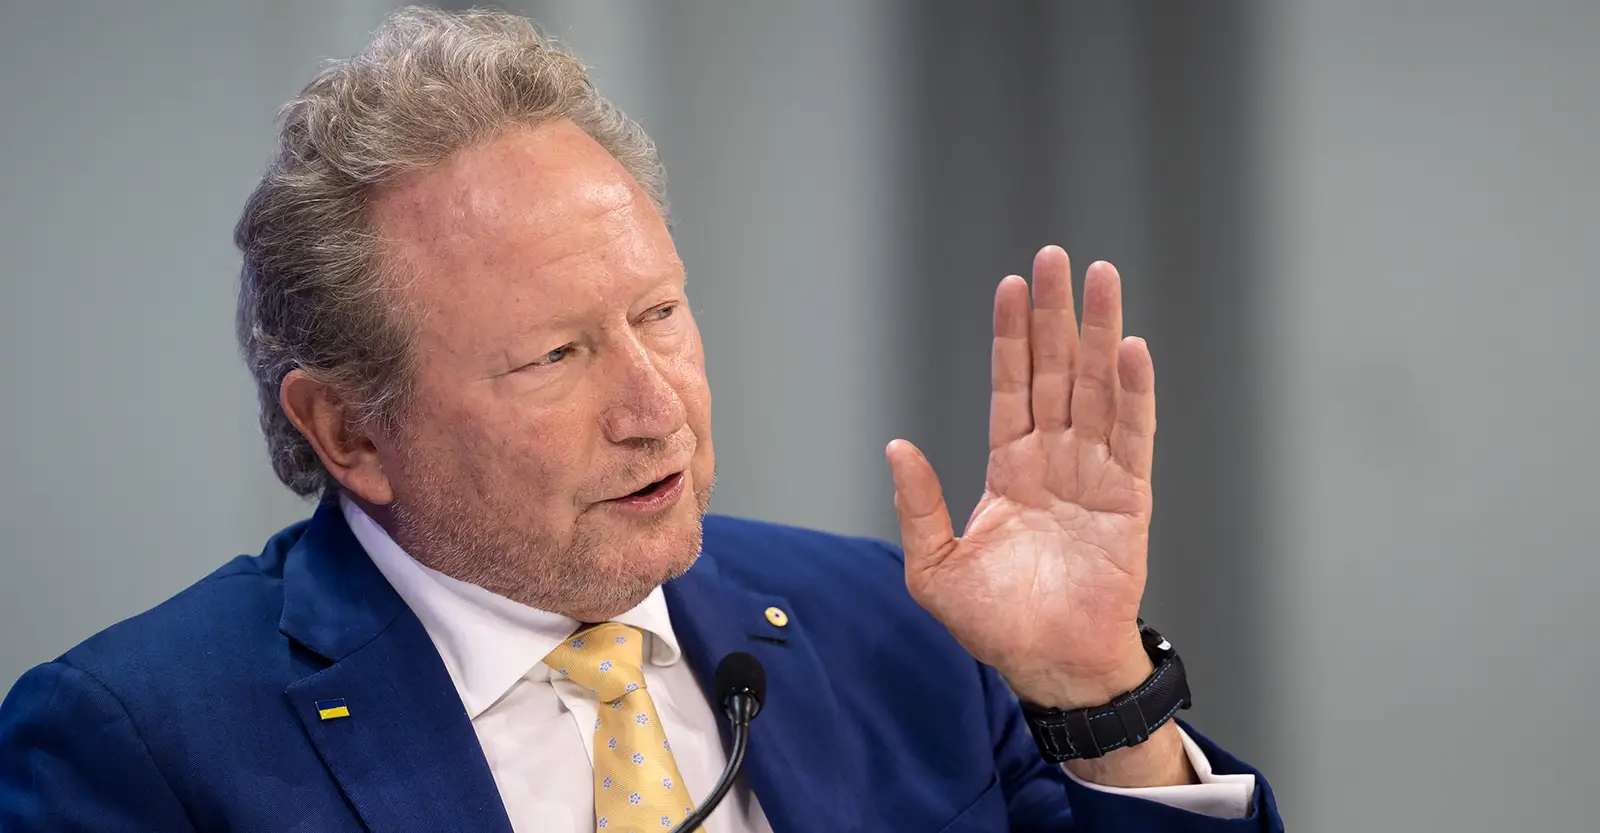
point(1159, 762)
point(1090, 717)
point(1079, 688)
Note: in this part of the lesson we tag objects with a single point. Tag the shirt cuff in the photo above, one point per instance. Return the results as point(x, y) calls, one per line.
point(1218, 796)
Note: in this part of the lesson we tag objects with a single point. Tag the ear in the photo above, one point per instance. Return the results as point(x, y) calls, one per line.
point(349, 455)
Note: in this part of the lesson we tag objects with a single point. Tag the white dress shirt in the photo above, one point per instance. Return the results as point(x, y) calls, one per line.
point(536, 731)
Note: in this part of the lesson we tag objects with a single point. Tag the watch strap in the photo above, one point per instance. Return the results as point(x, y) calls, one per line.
point(1128, 720)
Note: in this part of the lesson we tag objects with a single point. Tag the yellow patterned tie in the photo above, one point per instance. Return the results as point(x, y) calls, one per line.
point(636, 783)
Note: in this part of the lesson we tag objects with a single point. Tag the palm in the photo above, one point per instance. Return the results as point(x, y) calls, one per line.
point(1047, 576)
point(1056, 543)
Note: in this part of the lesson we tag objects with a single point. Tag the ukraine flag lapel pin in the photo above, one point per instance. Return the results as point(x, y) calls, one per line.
point(332, 709)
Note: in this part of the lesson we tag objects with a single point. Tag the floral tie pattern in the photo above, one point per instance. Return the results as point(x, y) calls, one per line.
point(636, 783)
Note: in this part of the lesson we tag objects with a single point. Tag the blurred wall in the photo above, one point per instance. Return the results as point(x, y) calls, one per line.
point(1357, 236)
point(1431, 401)
point(130, 462)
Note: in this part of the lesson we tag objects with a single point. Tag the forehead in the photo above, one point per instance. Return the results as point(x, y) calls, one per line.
point(538, 214)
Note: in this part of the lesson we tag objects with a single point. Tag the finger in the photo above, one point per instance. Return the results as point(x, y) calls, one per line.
point(1053, 338)
point(1133, 439)
point(1009, 364)
point(1094, 389)
point(925, 530)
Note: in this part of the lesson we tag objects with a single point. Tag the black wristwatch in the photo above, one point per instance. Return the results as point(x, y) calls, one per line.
point(1128, 720)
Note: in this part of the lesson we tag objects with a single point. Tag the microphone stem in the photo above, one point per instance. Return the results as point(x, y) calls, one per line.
point(739, 711)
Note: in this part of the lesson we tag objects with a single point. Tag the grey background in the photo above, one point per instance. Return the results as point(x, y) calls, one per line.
point(1358, 236)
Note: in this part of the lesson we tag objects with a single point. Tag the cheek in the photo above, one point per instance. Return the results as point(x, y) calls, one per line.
point(514, 453)
point(542, 456)
point(693, 386)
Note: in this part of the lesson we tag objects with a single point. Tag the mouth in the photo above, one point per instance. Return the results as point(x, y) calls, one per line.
point(654, 497)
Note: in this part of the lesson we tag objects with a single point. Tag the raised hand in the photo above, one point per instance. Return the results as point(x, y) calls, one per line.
point(1044, 584)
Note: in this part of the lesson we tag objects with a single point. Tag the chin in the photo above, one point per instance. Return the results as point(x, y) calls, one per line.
point(630, 557)
point(650, 552)
point(672, 547)
point(637, 566)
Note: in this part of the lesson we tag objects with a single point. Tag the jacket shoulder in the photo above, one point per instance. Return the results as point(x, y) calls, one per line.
point(206, 630)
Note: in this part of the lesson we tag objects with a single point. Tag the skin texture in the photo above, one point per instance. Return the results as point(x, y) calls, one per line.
point(557, 367)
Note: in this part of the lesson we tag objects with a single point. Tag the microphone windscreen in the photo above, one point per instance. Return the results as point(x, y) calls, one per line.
point(740, 671)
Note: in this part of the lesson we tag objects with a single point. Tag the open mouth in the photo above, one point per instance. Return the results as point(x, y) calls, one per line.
point(659, 485)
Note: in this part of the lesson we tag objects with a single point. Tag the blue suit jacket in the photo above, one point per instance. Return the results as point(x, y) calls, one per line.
point(200, 714)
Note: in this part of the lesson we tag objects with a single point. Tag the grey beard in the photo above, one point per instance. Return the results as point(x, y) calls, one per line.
point(553, 579)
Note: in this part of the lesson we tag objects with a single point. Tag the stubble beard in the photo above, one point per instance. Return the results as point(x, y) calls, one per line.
point(469, 539)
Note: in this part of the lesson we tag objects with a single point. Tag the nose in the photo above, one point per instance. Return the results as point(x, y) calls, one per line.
point(644, 403)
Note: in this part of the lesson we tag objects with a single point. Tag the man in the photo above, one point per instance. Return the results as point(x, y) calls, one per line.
point(469, 329)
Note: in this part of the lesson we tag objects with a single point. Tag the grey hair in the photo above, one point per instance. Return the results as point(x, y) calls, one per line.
point(314, 293)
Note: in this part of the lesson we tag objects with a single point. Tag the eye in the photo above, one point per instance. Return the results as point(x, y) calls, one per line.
point(551, 357)
point(661, 313)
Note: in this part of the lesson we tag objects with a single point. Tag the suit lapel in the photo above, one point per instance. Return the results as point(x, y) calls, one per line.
point(405, 755)
point(803, 762)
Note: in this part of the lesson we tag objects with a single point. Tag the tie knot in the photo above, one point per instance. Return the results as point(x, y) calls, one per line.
point(605, 659)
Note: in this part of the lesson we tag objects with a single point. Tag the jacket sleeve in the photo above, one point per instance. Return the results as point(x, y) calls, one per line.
point(1040, 798)
point(72, 760)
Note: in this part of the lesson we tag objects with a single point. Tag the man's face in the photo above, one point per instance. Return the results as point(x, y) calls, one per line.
point(558, 446)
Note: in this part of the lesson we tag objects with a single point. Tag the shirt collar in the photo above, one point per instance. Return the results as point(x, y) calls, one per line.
point(489, 642)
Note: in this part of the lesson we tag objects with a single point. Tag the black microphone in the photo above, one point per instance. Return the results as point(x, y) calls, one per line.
point(741, 685)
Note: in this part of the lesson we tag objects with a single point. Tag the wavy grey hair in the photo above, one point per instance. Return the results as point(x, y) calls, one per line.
point(314, 293)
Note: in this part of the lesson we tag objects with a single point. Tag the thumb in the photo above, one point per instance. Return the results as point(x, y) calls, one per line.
point(925, 531)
